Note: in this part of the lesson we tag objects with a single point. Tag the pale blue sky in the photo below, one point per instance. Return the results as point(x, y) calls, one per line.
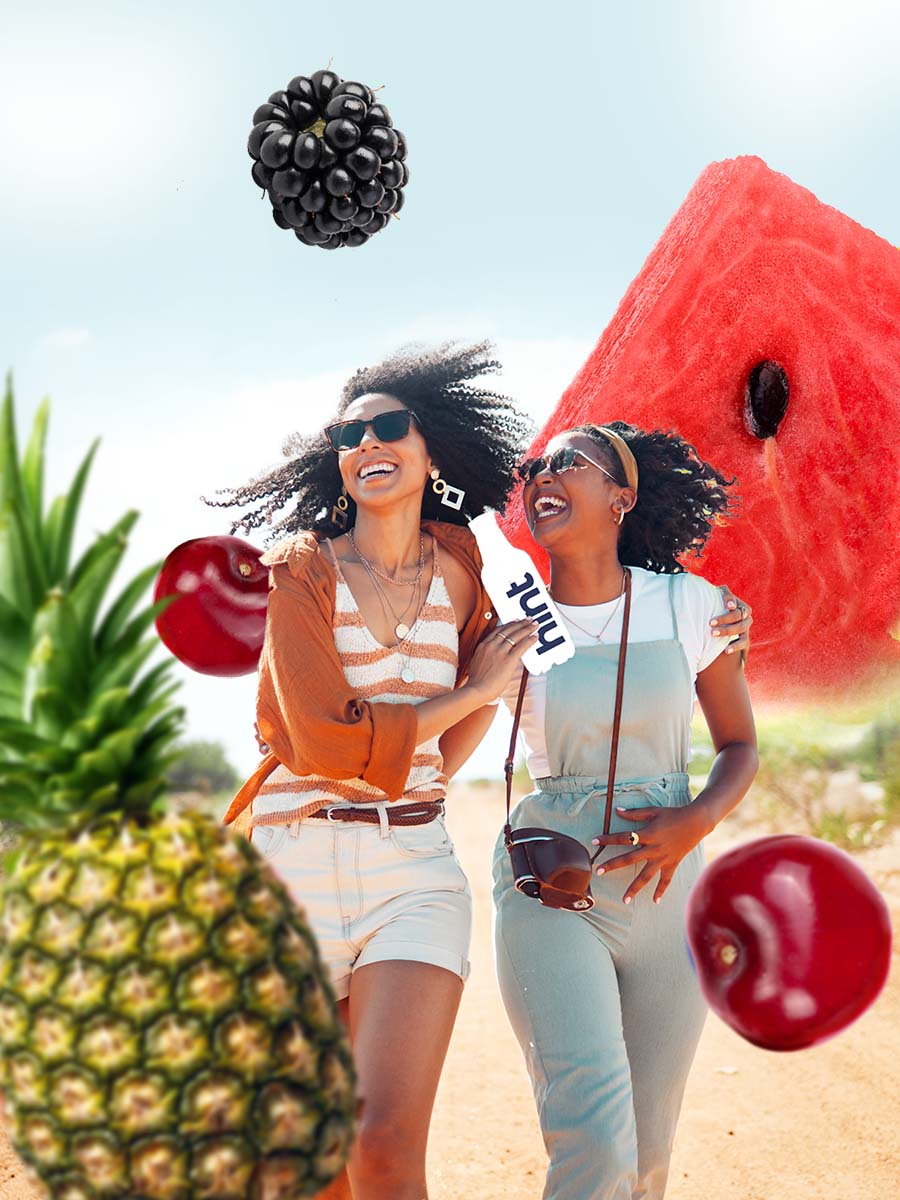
point(147, 290)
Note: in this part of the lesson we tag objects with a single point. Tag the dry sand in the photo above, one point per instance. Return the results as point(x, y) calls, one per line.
point(822, 1124)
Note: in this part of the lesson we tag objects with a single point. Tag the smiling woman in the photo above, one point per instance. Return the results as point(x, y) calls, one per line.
point(473, 435)
point(617, 508)
point(377, 679)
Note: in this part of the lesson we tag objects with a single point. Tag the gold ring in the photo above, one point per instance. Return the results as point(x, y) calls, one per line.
point(634, 838)
point(505, 638)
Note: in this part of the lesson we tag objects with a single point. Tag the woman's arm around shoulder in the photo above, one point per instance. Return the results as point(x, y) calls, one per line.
point(725, 701)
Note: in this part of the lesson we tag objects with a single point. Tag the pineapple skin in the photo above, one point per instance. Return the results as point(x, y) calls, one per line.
point(167, 1030)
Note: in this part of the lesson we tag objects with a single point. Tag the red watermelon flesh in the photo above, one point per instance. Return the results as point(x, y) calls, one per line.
point(753, 267)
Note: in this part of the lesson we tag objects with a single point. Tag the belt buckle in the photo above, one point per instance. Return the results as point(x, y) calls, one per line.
point(329, 810)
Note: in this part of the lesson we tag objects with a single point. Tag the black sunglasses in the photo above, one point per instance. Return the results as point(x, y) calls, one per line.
point(565, 459)
point(387, 426)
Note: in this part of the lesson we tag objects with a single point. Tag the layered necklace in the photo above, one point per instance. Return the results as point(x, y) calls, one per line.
point(598, 637)
point(402, 629)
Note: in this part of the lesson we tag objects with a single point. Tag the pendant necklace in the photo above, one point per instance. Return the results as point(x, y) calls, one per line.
point(598, 637)
point(381, 574)
point(401, 627)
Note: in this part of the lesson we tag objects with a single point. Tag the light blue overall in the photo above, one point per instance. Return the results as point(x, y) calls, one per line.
point(605, 1004)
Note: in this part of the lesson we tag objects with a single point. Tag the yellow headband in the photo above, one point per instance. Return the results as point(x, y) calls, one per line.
point(625, 456)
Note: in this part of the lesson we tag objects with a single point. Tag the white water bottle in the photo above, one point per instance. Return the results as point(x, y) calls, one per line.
point(518, 592)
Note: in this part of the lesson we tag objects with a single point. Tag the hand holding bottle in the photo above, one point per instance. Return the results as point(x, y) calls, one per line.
point(516, 591)
point(498, 658)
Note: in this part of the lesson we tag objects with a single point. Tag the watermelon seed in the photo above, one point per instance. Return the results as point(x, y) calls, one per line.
point(766, 398)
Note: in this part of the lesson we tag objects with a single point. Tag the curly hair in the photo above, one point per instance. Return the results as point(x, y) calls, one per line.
point(474, 435)
point(680, 497)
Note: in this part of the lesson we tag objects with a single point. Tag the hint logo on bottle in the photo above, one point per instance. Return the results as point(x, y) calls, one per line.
point(517, 591)
point(533, 605)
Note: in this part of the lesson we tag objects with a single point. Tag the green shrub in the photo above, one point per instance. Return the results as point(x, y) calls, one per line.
point(202, 767)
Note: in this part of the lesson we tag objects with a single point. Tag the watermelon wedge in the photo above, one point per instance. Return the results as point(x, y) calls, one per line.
point(754, 269)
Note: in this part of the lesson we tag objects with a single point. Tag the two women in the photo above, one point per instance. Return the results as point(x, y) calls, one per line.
point(377, 679)
point(603, 999)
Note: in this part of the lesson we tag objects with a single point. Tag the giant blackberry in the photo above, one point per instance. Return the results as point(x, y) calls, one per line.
point(329, 159)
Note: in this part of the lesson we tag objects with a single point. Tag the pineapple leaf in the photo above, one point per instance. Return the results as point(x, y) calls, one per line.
point(117, 536)
point(145, 716)
point(118, 749)
point(18, 738)
point(12, 619)
point(9, 674)
point(87, 594)
point(33, 563)
point(155, 741)
point(148, 687)
point(51, 712)
point(33, 462)
point(15, 639)
point(120, 611)
point(19, 581)
point(12, 490)
point(22, 569)
point(18, 803)
point(107, 711)
point(120, 668)
point(81, 734)
point(136, 628)
point(57, 663)
point(102, 798)
point(141, 795)
point(60, 527)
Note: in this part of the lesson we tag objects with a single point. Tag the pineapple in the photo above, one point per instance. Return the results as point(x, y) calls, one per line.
point(166, 1028)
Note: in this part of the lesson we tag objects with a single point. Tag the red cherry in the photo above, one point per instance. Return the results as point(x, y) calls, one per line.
point(217, 624)
point(791, 940)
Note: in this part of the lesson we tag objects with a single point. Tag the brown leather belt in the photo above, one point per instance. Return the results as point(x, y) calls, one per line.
point(402, 814)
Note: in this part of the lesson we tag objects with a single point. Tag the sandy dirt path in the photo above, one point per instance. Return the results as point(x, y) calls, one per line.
point(822, 1124)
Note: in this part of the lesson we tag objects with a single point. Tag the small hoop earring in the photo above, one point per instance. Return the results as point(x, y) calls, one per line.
point(451, 496)
point(340, 512)
point(621, 516)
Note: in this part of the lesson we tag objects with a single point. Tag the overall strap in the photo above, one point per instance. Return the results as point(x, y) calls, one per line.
point(617, 716)
point(508, 766)
point(672, 608)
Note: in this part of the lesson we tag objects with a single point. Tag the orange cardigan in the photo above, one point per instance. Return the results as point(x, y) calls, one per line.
point(305, 708)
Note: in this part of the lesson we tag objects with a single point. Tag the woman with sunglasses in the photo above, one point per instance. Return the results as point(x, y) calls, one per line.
point(603, 998)
point(376, 681)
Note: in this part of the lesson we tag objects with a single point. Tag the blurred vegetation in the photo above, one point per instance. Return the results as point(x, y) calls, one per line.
point(202, 767)
point(830, 776)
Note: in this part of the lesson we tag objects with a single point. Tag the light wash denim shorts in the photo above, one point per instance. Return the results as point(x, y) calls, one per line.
point(374, 893)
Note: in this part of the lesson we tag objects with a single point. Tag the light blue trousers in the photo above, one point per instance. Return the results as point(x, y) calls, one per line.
point(605, 1004)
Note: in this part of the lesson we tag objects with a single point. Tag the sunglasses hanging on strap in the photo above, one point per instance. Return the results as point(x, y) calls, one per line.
point(549, 866)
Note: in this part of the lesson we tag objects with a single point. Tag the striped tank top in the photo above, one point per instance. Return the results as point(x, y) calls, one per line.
point(430, 652)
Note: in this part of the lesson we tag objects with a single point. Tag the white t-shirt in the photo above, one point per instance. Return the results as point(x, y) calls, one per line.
point(696, 603)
